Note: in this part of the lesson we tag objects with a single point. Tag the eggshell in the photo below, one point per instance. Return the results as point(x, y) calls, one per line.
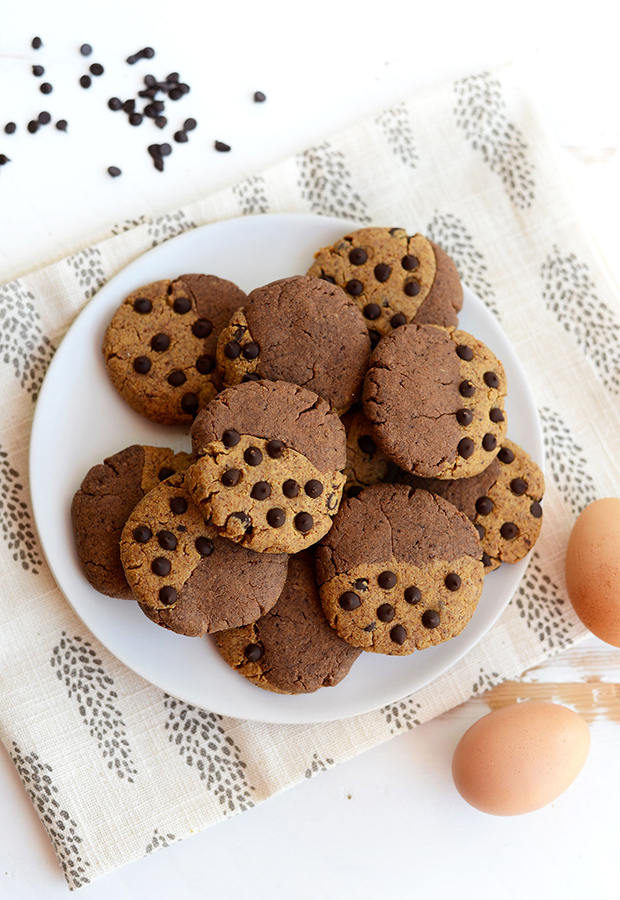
point(520, 757)
point(593, 568)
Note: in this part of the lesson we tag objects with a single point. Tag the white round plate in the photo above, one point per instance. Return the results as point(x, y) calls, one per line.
point(80, 420)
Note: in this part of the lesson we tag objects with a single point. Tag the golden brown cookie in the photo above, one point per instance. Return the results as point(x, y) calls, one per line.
point(268, 470)
point(399, 571)
point(301, 330)
point(184, 575)
point(160, 346)
point(291, 649)
point(435, 398)
point(366, 464)
point(393, 278)
point(103, 504)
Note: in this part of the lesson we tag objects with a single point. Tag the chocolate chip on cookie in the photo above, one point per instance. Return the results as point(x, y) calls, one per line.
point(435, 398)
point(161, 343)
point(503, 502)
point(399, 571)
point(393, 278)
point(303, 330)
point(366, 464)
point(276, 484)
point(103, 504)
point(184, 575)
point(291, 649)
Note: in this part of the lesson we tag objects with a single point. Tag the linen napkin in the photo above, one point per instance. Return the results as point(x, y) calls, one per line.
point(115, 767)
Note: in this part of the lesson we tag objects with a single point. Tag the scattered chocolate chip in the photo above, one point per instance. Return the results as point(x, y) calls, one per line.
point(357, 256)
point(412, 288)
point(480, 529)
point(173, 77)
point(354, 287)
point(204, 546)
point(38, 71)
point(85, 81)
point(176, 94)
point(189, 124)
point(464, 416)
point(398, 634)
point(452, 581)
point(361, 584)
point(168, 595)
point(304, 522)
point(161, 121)
point(44, 118)
point(150, 81)
point(276, 517)
point(290, 488)
point(96, 69)
point(467, 389)
point(251, 351)
point(253, 456)
point(386, 612)
point(486, 560)
point(165, 149)
point(261, 490)
point(313, 488)
point(536, 509)
point(129, 106)
point(142, 365)
point(375, 337)
point(114, 171)
point(398, 320)
point(4, 159)
point(231, 438)
point(410, 262)
point(275, 449)
point(259, 97)
point(86, 49)
point(202, 328)
point(184, 88)
point(165, 472)
point(160, 566)
point(372, 311)
point(509, 531)
point(219, 145)
point(142, 305)
point(160, 342)
point(36, 43)
point(382, 272)
point(142, 534)
point(167, 540)
point(430, 618)
point(464, 352)
point(189, 403)
point(182, 305)
point(205, 364)
point(231, 477)
point(254, 652)
point(413, 595)
point(151, 111)
point(505, 455)
point(135, 119)
point(367, 445)
point(232, 350)
point(491, 379)
point(180, 137)
point(10, 128)
point(484, 505)
point(177, 378)
point(349, 600)
point(489, 442)
point(33, 126)
point(61, 124)
point(465, 447)
point(496, 414)
point(178, 505)
point(146, 53)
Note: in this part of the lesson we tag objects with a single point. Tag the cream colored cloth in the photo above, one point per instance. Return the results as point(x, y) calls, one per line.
point(115, 767)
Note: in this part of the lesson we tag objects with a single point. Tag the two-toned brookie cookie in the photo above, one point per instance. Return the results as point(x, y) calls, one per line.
point(268, 471)
point(103, 503)
point(435, 398)
point(184, 575)
point(503, 502)
point(160, 346)
point(291, 649)
point(301, 330)
point(394, 278)
point(399, 571)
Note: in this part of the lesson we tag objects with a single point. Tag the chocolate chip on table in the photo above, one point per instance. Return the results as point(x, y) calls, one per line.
point(259, 97)
point(168, 595)
point(150, 80)
point(10, 128)
point(220, 145)
point(254, 652)
point(159, 164)
point(536, 509)
point(86, 49)
point(452, 581)
point(165, 472)
point(410, 262)
point(85, 81)
point(176, 94)
point(509, 531)
point(372, 311)
point(387, 580)
point(36, 43)
point(231, 477)
point(202, 328)
point(386, 612)
point(129, 106)
point(253, 456)
point(33, 126)
point(465, 447)
point(354, 287)
point(178, 505)
point(491, 379)
point(151, 110)
point(114, 171)
point(231, 438)
point(142, 365)
point(142, 534)
point(304, 522)
point(484, 505)
point(61, 124)
point(489, 442)
point(382, 272)
point(167, 541)
point(135, 119)
point(413, 595)
point(275, 449)
point(44, 118)
point(357, 256)
point(464, 352)
point(146, 53)
point(37, 71)
point(496, 414)
point(313, 488)
point(205, 364)
point(290, 488)
point(412, 288)
point(189, 124)
point(142, 305)
point(261, 490)
point(173, 77)
point(180, 137)
point(467, 389)
point(160, 342)
point(505, 455)
point(398, 634)
point(96, 69)
point(464, 416)
point(161, 566)
point(184, 88)
point(276, 517)
point(4, 159)
point(204, 546)
point(161, 121)
point(430, 618)
point(349, 600)
point(46, 88)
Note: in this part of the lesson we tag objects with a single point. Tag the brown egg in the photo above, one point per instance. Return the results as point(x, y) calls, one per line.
point(520, 758)
point(593, 568)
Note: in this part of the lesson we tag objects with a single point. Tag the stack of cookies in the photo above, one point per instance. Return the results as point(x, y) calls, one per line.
point(350, 482)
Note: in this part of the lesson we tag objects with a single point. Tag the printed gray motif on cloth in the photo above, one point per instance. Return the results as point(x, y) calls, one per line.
point(16, 518)
point(159, 840)
point(568, 465)
point(450, 233)
point(251, 195)
point(318, 765)
point(481, 112)
point(62, 829)
point(543, 607)
point(87, 266)
point(570, 294)
point(77, 665)
point(325, 184)
point(168, 226)
point(205, 747)
point(396, 127)
point(402, 714)
point(485, 681)
point(129, 224)
point(23, 346)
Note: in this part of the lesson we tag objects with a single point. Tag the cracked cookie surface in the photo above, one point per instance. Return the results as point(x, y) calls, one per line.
point(160, 346)
point(435, 398)
point(104, 502)
point(399, 571)
point(302, 330)
point(393, 278)
point(291, 649)
point(185, 576)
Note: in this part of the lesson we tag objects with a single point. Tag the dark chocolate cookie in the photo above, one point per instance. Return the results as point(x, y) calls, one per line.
point(393, 278)
point(301, 330)
point(268, 470)
point(160, 346)
point(103, 504)
point(291, 649)
point(399, 571)
point(184, 575)
point(435, 398)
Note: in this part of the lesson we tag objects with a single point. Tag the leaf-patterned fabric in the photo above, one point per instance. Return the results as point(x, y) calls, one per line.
point(117, 769)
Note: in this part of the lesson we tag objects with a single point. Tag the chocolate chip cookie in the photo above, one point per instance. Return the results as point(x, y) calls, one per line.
point(503, 502)
point(366, 464)
point(268, 470)
point(160, 346)
point(435, 398)
point(393, 278)
point(291, 649)
point(399, 571)
point(184, 575)
point(301, 330)
point(103, 504)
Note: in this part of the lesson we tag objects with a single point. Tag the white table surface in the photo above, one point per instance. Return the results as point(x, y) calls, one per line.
point(390, 821)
